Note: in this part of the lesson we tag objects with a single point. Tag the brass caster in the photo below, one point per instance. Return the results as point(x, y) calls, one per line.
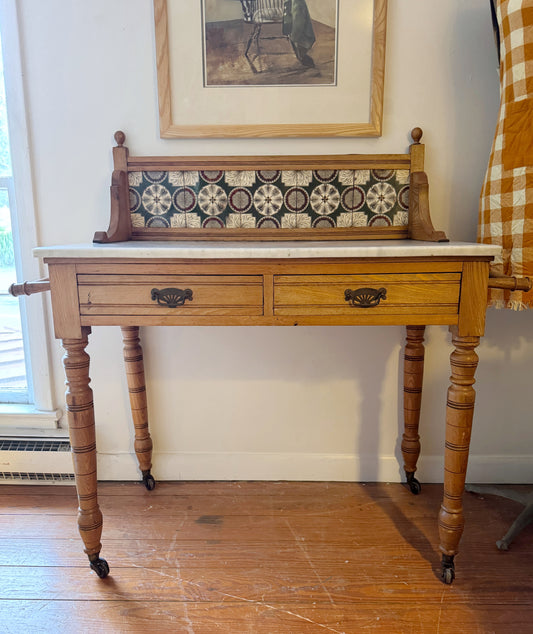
point(148, 480)
point(100, 566)
point(413, 483)
point(448, 569)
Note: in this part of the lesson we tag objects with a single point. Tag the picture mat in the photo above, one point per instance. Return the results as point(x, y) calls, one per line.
point(196, 105)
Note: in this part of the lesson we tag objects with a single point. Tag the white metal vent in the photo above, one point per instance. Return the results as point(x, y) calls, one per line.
point(10, 444)
point(34, 478)
point(35, 460)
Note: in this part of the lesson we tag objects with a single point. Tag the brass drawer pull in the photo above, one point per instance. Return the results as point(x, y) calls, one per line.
point(365, 297)
point(171, 297)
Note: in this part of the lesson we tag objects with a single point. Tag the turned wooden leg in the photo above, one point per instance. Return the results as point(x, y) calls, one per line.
point(413, 372)
point(459, 414)
point(133, 360)
point(80, 414)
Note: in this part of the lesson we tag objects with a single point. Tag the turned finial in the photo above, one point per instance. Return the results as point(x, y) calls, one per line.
point(120, 137)
point(416, 134)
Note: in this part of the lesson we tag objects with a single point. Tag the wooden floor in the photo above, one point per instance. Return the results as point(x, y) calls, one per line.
point(259, 558)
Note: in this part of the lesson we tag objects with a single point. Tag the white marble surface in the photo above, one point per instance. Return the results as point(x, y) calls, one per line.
point(277, 250)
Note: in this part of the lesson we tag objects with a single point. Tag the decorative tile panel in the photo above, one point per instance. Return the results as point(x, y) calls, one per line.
point(270, 199)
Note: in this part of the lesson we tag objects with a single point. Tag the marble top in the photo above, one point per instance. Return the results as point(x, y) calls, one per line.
point(278, 250)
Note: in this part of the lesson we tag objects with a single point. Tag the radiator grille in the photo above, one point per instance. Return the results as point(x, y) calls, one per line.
point(35, 460)
point(36, 477)
point(34, 445)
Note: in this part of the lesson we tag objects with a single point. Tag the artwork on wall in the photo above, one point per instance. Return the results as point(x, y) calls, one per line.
point(282, 44)
point(270, 68)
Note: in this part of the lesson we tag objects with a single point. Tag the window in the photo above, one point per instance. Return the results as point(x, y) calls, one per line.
point(27, 402)
point(13, 372)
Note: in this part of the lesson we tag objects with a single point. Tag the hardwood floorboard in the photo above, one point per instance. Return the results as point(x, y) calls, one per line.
point(258, 618)
point(260, 557)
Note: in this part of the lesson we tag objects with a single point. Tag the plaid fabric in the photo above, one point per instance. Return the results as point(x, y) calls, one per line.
point(506, 208)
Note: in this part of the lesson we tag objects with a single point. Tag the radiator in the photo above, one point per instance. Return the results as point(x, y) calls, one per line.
point(35, 460)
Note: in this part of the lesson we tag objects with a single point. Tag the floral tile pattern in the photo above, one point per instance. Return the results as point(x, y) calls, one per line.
point(273, 199)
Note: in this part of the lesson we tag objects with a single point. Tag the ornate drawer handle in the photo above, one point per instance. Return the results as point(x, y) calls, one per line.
point(171, 297)
point(365, 297)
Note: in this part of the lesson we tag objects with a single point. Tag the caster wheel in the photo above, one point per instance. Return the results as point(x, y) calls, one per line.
point(101, 567)
point(148, 481)
point(448, 569)
point(413, 483)
point(448, 575)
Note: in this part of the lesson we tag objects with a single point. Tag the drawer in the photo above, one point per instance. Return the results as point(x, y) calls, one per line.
point(387, 294)
point(170, 294)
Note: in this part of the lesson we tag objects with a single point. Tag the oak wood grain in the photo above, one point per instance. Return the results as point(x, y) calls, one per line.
point(413, 373)
point(65, 303)
point(134, 364)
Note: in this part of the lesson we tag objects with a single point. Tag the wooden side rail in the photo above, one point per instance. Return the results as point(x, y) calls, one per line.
point(29, 288)
point(510, 283)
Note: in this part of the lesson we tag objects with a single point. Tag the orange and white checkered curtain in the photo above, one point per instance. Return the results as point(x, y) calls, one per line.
point(506, 209)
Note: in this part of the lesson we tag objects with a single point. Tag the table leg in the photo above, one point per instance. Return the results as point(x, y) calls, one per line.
point(133, 361)
point(459, 414)
point(80, 414)
point(413, 371)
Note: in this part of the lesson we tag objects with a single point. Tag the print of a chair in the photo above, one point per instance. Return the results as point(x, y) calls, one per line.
point(261, 12)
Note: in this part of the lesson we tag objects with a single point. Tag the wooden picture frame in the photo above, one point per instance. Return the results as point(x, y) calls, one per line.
point(174, 124)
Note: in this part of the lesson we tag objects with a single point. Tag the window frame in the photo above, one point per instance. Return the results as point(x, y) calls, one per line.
point(40, 412)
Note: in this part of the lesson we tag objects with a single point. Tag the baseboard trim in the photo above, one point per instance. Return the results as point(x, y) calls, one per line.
point(308, 467)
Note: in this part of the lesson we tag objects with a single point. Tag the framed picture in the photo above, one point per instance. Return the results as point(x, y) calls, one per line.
point(270, 68)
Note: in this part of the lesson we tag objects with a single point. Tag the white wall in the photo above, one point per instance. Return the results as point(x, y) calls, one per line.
point(302, 403)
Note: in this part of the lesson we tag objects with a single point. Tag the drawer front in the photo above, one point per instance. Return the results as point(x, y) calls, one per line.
point(393, 294)
point(170, 294)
